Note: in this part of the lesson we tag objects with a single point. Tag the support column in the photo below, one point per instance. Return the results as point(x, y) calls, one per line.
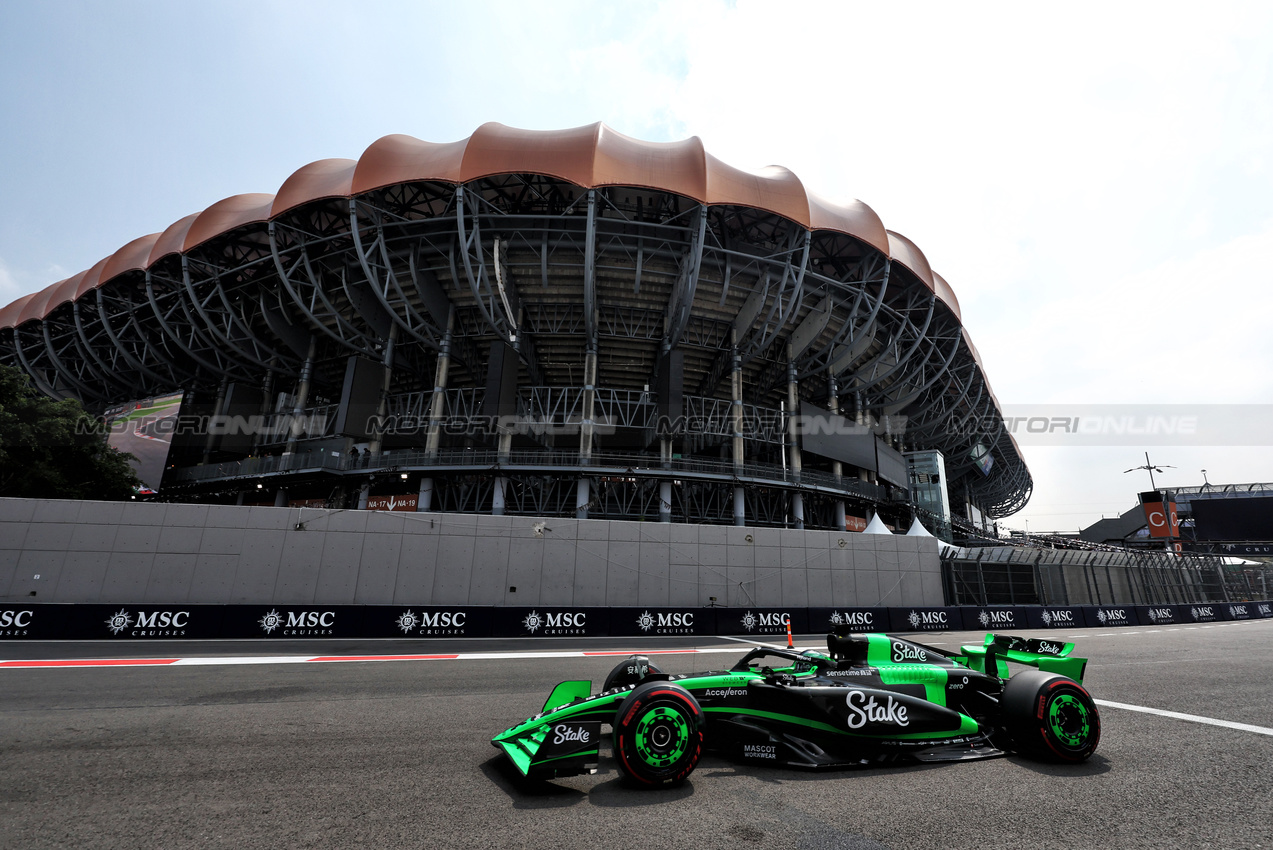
point(736, 395)
point(665, 486)
point(503, 450)
point(373, 447)
point(793, 438)
point(267, 408)
point(837, 468)
point(586, 427)
point(424, 501)
point(364, 493)
point(280, 498)
point(302, 396)
point(437, 402)
point(859, 417)
point(497, 496)
point(217, 410)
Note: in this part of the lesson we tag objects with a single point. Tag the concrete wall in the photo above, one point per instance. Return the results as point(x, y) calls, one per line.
point(132, 552)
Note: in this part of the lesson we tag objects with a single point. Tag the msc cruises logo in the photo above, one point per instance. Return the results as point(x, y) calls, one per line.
point(119, 621)
point(927, 619)
point(15, 619)
point(766, 620)
point(437, 623)
point(271, 621)
point(297, 623)
point(1058, 618)
point(852, 618)
point(997, 618)
point(569, 623)
point(153, 624)
point(681, 622)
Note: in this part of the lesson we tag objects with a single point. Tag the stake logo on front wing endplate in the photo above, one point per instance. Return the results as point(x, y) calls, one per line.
point(570, 734)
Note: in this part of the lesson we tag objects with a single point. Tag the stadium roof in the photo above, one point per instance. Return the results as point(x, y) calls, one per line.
point(589, 157)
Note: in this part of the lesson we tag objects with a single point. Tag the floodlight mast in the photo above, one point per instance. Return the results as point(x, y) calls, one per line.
point(1151, 469)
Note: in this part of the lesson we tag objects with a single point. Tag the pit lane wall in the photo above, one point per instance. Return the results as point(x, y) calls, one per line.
point(148, 554)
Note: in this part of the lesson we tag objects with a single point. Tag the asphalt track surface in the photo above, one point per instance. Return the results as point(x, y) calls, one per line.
point(397, 754)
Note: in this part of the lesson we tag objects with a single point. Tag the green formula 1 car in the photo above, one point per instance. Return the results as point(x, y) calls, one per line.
point(871, 699)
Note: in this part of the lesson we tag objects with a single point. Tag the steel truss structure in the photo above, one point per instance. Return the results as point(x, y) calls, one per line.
point(663, 335)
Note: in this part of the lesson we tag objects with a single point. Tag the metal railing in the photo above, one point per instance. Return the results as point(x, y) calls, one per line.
point(1016, 575)
point(529, 459)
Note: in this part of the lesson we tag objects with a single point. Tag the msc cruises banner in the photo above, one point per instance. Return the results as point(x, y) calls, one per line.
point(643, 622)
point(1056, 617)
point(124, 622)
point(997, 618)
point(854, 619)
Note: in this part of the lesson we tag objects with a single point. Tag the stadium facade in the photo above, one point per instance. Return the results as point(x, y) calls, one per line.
point(568, 323)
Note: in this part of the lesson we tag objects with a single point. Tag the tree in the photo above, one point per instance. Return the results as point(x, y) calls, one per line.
point(54, 449)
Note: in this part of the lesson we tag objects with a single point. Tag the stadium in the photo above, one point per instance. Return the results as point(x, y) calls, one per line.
point(558, 324)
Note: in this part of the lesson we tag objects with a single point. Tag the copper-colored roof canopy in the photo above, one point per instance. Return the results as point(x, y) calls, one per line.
point(590, 157)
point(135, 256)
point(907, 253)
point(10, 315)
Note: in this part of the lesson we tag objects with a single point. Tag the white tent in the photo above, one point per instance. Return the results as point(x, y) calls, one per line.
point(876, 526)
point(917, 530)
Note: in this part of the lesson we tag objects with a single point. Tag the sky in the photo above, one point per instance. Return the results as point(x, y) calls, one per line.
point(1094, 180)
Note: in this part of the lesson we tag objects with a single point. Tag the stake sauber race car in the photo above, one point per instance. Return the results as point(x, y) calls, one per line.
point(871, 699)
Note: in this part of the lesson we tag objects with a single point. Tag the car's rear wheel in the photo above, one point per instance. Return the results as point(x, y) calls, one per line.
point(630, 672)
point(658, 734)
point(1050, 716)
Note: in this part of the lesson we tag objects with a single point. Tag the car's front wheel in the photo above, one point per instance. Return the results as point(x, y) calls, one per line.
point(658, 734)
point(1050, 716)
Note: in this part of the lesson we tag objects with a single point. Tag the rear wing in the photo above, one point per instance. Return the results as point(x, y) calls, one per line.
point(1051, 656)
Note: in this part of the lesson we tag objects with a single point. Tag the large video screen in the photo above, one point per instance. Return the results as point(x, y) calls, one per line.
point(1233, 518)
point(144, 430)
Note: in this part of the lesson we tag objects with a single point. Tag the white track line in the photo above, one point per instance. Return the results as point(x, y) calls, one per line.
point(1192, 718)
point(237, 660)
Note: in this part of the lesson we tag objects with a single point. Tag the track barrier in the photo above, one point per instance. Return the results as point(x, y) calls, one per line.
point(317, 621)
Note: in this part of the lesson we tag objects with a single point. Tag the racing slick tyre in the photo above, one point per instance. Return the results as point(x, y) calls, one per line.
point(658, 735)
point(630, 672)
point(1050, 716)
